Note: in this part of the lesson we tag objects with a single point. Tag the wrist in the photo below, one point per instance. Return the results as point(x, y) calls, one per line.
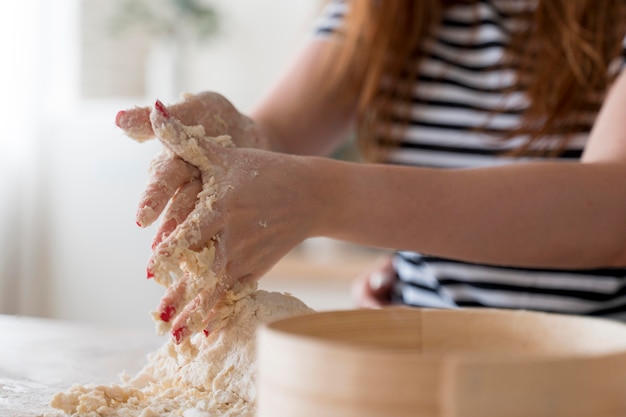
point(329, 191)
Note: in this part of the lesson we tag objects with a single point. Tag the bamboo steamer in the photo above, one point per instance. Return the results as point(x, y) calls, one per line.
point(441, 363)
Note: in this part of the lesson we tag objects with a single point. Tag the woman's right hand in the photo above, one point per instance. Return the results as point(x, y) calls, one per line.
point(171, 178)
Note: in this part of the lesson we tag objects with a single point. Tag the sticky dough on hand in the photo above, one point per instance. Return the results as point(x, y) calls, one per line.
point(196, 267)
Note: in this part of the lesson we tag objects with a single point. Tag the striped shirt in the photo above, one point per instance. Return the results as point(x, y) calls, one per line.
point(452, 125)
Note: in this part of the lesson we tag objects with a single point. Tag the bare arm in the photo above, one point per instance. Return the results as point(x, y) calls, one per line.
point(301, 116)
point(550, 214)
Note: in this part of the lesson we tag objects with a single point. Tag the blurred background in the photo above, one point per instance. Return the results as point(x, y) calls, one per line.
point(70, 180)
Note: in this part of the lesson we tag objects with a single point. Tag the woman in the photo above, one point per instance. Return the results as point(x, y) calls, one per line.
point(521, 101)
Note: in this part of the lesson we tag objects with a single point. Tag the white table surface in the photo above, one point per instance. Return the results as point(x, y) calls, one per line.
point(39, 357)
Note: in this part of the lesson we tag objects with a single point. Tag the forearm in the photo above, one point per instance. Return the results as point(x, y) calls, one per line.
point(535, 215)
point(300, 115)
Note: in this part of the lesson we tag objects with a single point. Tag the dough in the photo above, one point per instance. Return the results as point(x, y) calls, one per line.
point(218, 379)
point(207, 375)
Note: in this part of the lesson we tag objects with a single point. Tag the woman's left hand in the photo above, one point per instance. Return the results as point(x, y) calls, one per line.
point(373, 288)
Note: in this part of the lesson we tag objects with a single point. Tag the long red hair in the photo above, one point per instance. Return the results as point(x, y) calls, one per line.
point(562, 59)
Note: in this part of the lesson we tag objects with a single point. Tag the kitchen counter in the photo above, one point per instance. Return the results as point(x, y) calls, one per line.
point(321, 272)
point(39, 357)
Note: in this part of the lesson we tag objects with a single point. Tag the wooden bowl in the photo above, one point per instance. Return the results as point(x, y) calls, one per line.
point(400, 362)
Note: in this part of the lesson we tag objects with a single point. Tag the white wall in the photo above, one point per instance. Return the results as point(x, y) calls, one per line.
point(22, 107)
point(94, 258)
point(258, 38)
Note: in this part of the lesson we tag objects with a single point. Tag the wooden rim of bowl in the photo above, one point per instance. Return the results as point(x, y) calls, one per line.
point(466, 332)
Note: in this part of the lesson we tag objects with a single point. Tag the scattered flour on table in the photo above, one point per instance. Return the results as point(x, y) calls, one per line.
point(218, 379)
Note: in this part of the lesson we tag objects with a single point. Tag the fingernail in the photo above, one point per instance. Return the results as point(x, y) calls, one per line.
point(206, 332)
point(149, 273)
point(179, 334)
point(137, 223)
point(377, 281)
point(167, 313)
point(118, 118)
point(161, 108)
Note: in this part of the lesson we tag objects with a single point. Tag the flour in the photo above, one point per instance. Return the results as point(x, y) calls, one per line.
point(217, 380)
point(210, 375)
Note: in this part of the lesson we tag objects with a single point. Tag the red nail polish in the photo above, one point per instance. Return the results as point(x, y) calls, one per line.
point(137, 223)
point(161, 108)
point(179, 334)
point(118, 118)
point(149, 273)
point(167, 313)
point(206, 332)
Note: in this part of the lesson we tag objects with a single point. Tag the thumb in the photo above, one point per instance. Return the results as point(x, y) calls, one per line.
point(135, 123)
point(188, 142)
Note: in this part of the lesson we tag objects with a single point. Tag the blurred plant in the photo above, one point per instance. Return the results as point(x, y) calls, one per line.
point(176, 19)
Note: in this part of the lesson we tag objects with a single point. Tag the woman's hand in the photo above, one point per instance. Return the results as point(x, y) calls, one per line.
point(215, 113)
point(373, 288)
point(172, 179)
point(264, 210)
point(255, 206)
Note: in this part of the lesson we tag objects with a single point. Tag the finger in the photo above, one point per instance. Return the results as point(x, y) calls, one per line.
point(165, 260)
point(223, 307)
point(220, 258)
point(173, 301)
point(373, 289)
point(181, 204)
point(188, 142)
point(379, 283)
point(135, 123)
point(362, 296)
point(167, 173)
point(195, 232)
point(167, 128)
point(194, 108)
point(164, 264)
point(217, 317)
point(219, 117)
point(195, 316)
